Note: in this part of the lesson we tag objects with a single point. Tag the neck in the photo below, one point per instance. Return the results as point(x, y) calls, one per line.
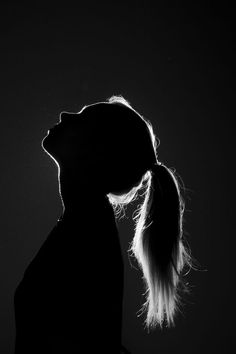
point(79, 198)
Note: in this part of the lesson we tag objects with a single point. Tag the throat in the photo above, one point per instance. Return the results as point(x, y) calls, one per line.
point(87, 209)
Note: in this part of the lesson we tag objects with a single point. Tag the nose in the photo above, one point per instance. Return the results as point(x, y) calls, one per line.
point(66, 116)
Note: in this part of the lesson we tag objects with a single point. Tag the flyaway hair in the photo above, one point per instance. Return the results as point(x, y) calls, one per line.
point(158, 243)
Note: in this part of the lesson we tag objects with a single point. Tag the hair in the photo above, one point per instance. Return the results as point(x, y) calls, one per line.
point(158, 243)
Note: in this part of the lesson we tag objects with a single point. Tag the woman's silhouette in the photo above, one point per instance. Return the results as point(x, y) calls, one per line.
point(71, 294)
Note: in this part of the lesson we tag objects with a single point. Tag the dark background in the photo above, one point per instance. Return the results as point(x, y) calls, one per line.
point(175, 65)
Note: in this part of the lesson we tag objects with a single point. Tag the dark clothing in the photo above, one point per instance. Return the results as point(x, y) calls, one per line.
point(70, 298)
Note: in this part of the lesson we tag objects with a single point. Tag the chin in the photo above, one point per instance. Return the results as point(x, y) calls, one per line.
point(49, 143)
point(45, 142)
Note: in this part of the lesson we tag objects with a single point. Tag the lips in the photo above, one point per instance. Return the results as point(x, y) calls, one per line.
point(54, 126)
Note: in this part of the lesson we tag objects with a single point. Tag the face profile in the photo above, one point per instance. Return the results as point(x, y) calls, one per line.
point(67, 141)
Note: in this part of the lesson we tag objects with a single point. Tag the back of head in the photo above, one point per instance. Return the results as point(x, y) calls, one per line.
point(122, 143)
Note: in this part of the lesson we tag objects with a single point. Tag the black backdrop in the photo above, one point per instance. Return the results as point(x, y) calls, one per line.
point(175, 65)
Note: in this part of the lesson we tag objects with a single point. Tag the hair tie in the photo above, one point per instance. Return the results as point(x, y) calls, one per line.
point(156, 165)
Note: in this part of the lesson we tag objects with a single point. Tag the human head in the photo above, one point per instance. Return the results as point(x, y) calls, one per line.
point(110, 136)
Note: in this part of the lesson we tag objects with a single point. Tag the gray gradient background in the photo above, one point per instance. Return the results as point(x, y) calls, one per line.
point(175, 65)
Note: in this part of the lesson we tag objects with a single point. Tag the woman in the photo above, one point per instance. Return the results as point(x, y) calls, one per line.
point(71, 294)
